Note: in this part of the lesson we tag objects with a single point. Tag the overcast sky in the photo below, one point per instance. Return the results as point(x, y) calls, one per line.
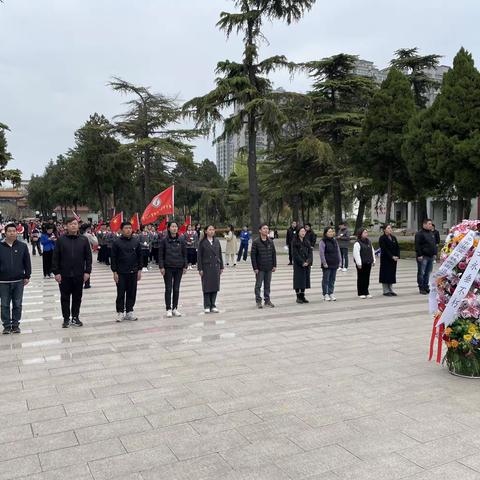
point(56, 56)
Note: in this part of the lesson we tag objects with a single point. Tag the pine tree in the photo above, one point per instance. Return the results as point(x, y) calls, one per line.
point(13, 175)
point(389, 112)
point(246, 86)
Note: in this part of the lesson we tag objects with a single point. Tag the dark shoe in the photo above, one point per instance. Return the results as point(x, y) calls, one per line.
point(304, 300)
point(76, 322)
point(423, 292)
point(290, 263)
point(259, 305)
point(7, 330)
point(66, 323)
point(87, 286)
point(16, 329)
point(269, 304)
point(393, 294)
point(387, 294)
point(299, 299)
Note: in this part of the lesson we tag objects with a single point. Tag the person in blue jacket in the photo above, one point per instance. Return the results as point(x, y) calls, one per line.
point(244, 241)
point(48, 240)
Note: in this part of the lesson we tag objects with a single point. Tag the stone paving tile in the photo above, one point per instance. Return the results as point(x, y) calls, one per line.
point(19, 432)
point(448, 471)
point(19, 467)
point(104, 431)
point(21, 448)
point(42, 414)
point(80, 454)
point(266, 472)
point(68, 423)
point(73, 472)
point(225, 422)
point(181, 415)
point(114, 467)
point(209, 467)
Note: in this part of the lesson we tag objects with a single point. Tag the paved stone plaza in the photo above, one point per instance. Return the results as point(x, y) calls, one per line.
point(324, 391)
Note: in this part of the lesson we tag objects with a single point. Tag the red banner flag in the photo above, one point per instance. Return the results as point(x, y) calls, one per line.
point(135, 223)
point(161, 204)
point(183, 229)
point(116, 222)
point(99, 226)
point(163, 225)
point(76, 217)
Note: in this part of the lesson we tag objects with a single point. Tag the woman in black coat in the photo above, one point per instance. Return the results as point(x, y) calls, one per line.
point(302, 263)
point(389, 255)
point(210, 267)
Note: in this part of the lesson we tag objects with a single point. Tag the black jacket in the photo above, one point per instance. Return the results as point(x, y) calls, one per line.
point(126, 256)
point(425, 243)
point(72, 256)
point(291, 234)
point(263, 255)
point(14, 262)
point(172, 253)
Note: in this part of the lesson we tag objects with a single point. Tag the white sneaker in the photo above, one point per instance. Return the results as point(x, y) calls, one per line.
point(144, 269)
point(333, 298)
point(176, 313)
point(363, 297)
point(120, 317)
point(207, 310)
point(131, 317)
point(369, 296)
point(327, 298)
point(215, 310)
point(169, 313)
point(344, 269)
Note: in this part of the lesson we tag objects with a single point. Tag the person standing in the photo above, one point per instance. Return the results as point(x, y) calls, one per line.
point(244, 241)
point(156, 240)
point(35, 239)
point(72, 265)
point(264, 263)
point(110, 237)
point(86, 231)
point(15, 271)
point(291, 234)
point(126, 264)
point(425, 248)
point(102, 248)
point(48, 241)
point(310, 235)
point(210, 268)
point(191, 242)
point(145, 242)
point(389, 256)
point(302, 256)
point(172, 260)
point(364, 258)
point(232, 246)
point(330, 258)
point(343, 239)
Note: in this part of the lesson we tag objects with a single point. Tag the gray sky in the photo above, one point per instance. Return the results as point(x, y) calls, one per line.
point(56, 56)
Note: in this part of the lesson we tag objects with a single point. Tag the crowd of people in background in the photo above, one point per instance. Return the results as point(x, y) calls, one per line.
point(66, 250)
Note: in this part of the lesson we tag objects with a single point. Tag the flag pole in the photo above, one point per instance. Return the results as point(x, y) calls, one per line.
point(173, 202)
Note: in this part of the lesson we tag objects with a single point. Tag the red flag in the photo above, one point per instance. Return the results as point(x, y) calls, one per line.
point(135, 222)
point(163, 225)
point(99, 226)
point(183, 229)
point(75, 216)
point(116, 222)
point(161, 204)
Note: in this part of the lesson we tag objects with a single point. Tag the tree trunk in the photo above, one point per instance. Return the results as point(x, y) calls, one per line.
point(252, 173)
point(362, 205)
point(422, 211)
point(302, 206)
point(467, 207)
point(337, 201)
point(460, 209)
point(147, 176)
point(295, 209)
point(388, 209)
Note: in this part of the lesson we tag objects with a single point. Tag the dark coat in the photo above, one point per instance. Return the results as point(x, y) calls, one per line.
point(263, 255)
point(126, 255)
point(301, 253)
point(425, 243)
point(72, 256)
point(172, 253)
point(210, 262)
point(14, 261)
point(389, 248)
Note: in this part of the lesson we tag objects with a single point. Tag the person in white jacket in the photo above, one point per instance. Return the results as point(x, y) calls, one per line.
point(364, 258)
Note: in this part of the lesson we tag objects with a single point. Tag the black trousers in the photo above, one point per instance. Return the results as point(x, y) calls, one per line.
point(36, 246)
point(145, 255)
point(363, 279)
point(71, 288)
point(107, 253)
point(154, 254)
point(101, 253)
point(209, 300)
point(47, 262)
point(172, 278)
point(126, 292)
point(290, 256)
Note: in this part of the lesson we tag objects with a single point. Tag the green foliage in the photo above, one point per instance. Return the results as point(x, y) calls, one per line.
point(13, 175)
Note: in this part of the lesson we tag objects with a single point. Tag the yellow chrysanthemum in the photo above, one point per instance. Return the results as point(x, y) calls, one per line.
point(454, 343)
point(467, 338)
point(448, 331)
point(472, 329)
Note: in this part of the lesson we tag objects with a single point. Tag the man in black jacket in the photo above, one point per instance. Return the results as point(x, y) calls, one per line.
point(126, 263)
point(425, 248)
point(72, 265)
point(291, 233)
point(264, 263)
point(15, 271)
